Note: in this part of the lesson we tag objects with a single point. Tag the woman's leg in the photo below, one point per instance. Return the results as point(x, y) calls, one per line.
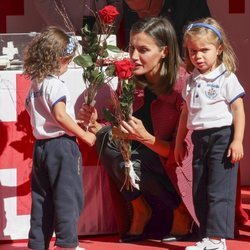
point(153, 179)
point(112, 161)
point(141, 215)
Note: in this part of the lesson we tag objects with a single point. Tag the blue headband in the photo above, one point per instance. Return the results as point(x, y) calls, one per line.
point(208, 26)
point(70, 47)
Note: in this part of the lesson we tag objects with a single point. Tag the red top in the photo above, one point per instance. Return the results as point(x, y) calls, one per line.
point(165, 112)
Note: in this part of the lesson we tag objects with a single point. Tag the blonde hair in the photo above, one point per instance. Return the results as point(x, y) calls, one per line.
point(42, 56)
point(216, 36)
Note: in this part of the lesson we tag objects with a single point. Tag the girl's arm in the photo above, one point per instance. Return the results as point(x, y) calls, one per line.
point(179, 151)
point(61, 116)
point(235, 150)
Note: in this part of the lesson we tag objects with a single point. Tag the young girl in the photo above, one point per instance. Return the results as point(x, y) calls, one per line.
point(214, 111)
point(57, 194)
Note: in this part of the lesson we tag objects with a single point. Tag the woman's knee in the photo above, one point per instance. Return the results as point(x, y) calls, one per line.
point(102, 138)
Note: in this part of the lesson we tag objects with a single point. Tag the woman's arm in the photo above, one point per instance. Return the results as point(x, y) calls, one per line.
point(135, 130)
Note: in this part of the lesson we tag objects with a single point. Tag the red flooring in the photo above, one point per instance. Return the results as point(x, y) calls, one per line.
point(111, 242)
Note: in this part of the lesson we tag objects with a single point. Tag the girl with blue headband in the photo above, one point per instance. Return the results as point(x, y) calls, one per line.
point(214, 112)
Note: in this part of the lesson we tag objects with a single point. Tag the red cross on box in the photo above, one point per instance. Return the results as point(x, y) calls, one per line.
point(9, 7)
point(236, 6)
point(16, 143)
point(16, 146)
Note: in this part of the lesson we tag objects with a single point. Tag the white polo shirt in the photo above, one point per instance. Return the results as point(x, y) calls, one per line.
point(209, 96)
point(40, 102)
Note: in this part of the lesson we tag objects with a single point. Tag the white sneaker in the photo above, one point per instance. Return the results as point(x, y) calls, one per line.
point(79, 248)
point(207, 244)
point(68, 248)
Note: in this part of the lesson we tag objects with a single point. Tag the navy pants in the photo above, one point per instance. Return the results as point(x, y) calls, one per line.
point(214, 182)
point(57, 192)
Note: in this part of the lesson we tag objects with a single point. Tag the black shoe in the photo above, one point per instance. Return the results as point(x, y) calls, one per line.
point(169, 238)
point(126, 238)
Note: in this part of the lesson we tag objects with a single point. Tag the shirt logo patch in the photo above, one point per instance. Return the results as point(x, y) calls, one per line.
point(211, 93)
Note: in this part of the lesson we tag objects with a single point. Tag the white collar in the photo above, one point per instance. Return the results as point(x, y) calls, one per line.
point(220, 70)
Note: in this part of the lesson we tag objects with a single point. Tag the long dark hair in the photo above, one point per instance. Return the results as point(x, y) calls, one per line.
point(163, 33)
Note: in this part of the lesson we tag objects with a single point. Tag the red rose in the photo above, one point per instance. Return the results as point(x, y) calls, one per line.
point(108, 14)
point(124, 68)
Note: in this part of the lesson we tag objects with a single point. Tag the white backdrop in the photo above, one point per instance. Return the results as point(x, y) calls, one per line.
point(235, 26)
point(15, 163)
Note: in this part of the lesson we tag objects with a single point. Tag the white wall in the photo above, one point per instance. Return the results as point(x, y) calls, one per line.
point(235, 25)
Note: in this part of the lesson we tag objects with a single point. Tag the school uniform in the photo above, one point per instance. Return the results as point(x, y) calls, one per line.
point(57, 188)
point(208, 99)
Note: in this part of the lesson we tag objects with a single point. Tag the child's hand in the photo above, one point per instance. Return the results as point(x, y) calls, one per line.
point(94, 127)
point(89, 138)
point(235, 151)
point(86, 115)
point(180, 151)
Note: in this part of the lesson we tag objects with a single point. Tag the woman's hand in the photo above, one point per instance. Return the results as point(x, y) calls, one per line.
point(132, 130)
point(117, 133)
point(135, 130)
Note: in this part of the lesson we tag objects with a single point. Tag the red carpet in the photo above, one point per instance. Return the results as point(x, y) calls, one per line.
point(111, 242)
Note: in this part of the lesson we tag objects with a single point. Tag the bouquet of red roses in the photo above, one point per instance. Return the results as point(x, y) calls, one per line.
point(95, 52)
point(122, 108)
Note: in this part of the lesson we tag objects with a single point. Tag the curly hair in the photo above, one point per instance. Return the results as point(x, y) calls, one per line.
point(42, 55)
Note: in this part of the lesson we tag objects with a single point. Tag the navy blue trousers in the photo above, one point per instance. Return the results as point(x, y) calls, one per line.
point(57, 193)
point(214, 182)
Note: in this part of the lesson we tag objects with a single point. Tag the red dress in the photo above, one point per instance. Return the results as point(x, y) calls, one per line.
point(165, 113)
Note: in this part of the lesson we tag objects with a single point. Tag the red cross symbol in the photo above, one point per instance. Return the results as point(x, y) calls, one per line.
point(16, 145)
point(16, 149)
point(16, 7)
point(236, 6)
point(9, 7)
